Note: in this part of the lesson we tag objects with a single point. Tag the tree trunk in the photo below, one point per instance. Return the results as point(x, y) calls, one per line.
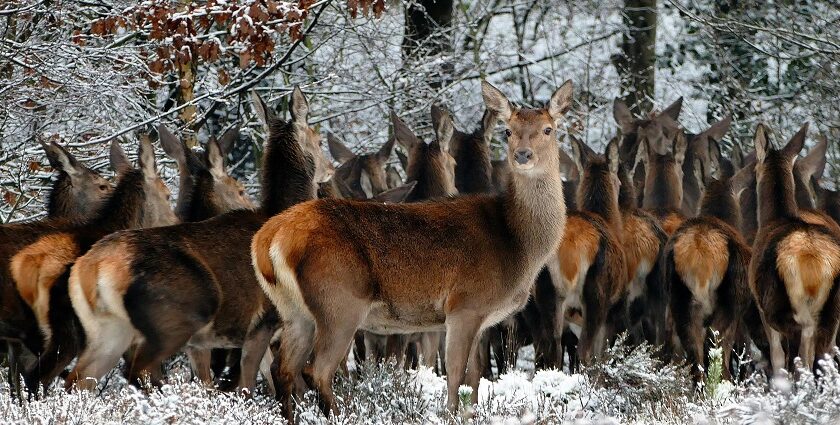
point(422, 20)
point(637, 64)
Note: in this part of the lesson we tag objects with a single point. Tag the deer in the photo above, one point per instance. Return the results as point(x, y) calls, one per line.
point(706, 264)
point(191, 285)
point(460, 265)
point(205, 190)
point(36, 271)
point(632, 129)
point(589, 269)
point(663, 176)
point(795, 265)
point(364, 174)
point(698, 149)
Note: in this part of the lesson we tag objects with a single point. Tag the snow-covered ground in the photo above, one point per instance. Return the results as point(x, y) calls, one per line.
point(626, 386)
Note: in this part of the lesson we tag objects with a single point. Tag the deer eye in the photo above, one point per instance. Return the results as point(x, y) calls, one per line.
point(507, 132)
point(547, 130)
point(103, 187)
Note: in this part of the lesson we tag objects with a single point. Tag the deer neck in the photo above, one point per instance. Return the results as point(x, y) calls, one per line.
point(776, 195)
point(719, 202)
point(535, 211)
point(124, 208)
point(288, 176)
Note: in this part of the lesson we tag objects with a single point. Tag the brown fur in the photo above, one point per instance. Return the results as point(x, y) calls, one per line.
point(78, 192)
point(413, 267)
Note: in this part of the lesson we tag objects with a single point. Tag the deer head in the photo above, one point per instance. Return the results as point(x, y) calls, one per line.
point(79, 191)
point(364, 172)
point(156, 208)
point(531, 138)
point(430, 165)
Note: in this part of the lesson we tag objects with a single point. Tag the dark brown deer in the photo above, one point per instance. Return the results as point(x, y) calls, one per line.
point(205, 189)
point(78, 192)
point(663, 175)
point(38, 268)
point(698, 149)
point(192, 284)
point(795, 264)
point(460, 264)
point(706, 263)
point(631, 128)
point(589, 271)
point(364, 174)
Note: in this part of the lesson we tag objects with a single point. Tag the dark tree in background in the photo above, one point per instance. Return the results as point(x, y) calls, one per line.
point(636, 63)
point(427, 30)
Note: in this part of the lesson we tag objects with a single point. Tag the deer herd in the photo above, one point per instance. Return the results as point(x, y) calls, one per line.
point(661, 236)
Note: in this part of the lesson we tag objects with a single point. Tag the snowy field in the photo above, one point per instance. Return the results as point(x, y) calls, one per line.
point(626, 386)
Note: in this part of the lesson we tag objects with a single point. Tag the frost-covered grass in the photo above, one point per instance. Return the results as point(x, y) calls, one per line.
point(628, 385)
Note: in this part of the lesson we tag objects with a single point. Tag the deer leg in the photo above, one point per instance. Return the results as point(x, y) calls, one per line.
point(777, 353)
point(200, 359)
point(265, 370)
point(461, 336)
point(253, 351)
point(396, 347)
point(333, 336)
point(295, 346)
point(359, 349)
point(105, 345)
point(429, 345)
point(559, 327)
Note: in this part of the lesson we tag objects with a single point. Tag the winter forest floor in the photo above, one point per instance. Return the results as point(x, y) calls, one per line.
point(625, 386)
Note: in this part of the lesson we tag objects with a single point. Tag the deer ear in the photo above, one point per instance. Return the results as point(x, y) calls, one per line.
point(699, 174)
point(568, 166)
point(580, 155)
point(385, 151)
point(561, 100)
point(393, 177)
point(60, 159)
point(488, 125)
point(405, 137)
point(337, 149)
point(762, 143)
point(496, 101)
point(715, 161)
point(796, 143)
point(403, 160)
point(228, 140)
point(118, 158)
point(215, 159)
point(264, 114)
point(742, 179)
point(299, 107)
point(146, 157)
point(397, 194)
point(444, 127)
point(612, 155)
point(642, 156)
point(680, 146)
point(623, 117)
point(719, 129)
point(736, 156)
point(673, 110)
point(367, 186)
point(813, 164)
point(173, 147)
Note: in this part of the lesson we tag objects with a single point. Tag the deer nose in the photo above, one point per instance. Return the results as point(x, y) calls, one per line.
point(523, 155)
